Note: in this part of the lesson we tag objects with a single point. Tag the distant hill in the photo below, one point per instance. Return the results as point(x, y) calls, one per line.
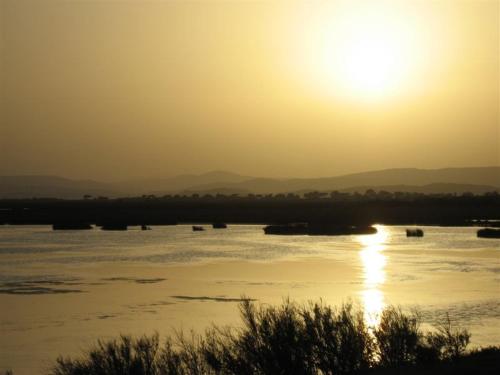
point(52, 187)
point(448, 180)
point(483, 176)
point(427, 189)
point(180, 183)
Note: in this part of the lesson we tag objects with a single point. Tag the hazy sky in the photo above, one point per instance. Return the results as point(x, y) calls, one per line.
point(117, 89)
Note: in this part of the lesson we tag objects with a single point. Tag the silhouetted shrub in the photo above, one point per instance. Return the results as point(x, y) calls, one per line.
point(273, 340)
point(450, 341)
point(339, 339)
point(123, 356)
point(398, 337)
point(284, 339)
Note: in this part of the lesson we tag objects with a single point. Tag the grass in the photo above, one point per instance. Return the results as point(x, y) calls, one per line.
point(293, 339)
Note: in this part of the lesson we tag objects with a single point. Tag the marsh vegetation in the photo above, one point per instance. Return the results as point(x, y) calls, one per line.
point(293, 339)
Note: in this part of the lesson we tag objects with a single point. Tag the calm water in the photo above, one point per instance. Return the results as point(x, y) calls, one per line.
point(60, 291)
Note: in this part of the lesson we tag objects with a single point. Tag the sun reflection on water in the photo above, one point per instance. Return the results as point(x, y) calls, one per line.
point(374, 261)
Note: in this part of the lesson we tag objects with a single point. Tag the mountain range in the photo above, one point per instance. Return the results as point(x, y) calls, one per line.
point(447, 180)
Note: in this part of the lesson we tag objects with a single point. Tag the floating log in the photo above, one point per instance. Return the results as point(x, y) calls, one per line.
point(114, 226)
point(414, 232)
point(197, 228)
point(488, 233)
point(318, 229)
point(71, 226)
point(219, 225)
point(339, 230)
point(287, 229)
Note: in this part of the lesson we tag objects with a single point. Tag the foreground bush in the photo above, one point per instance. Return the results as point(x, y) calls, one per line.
point(398, 338)
point(285, 339)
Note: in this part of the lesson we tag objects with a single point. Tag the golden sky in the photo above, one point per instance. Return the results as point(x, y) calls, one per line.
point(117, 89)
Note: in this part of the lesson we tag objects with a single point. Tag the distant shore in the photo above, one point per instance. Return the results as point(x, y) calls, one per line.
point(351, 209)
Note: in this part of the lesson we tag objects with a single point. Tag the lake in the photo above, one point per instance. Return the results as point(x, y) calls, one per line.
point(62, 290)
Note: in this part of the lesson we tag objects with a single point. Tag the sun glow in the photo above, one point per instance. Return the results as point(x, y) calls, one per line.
point(365, 52)
point(371, 61)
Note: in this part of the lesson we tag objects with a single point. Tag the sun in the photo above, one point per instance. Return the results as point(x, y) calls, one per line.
point(370, 62)
point(368, 52)
point(369, 55)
